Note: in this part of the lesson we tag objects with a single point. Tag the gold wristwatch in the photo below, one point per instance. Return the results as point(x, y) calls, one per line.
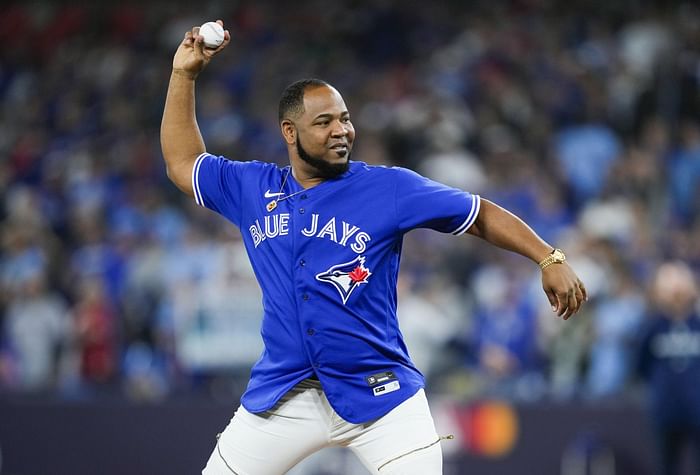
point(557, 256)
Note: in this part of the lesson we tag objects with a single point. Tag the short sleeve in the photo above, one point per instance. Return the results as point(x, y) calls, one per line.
point(216, 182)
point(424, 203)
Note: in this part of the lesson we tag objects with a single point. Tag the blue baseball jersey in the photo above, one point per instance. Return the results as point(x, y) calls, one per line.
point(327, 261)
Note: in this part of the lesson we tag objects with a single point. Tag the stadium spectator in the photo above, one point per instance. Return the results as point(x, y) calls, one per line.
point(670, 362)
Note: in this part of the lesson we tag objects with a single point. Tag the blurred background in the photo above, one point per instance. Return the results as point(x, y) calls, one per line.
point(129, 317)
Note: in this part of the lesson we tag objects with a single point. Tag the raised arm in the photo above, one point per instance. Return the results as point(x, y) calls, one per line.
point(565, 291)
point(180, 139)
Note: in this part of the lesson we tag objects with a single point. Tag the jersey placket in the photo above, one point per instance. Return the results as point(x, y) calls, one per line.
point(299, 207)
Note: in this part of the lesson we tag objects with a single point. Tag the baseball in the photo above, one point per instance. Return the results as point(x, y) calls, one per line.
point(213, 34)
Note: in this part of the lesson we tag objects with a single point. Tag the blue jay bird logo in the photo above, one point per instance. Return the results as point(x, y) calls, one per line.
point(346, 277)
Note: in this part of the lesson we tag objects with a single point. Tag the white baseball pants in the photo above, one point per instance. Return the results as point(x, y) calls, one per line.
point(403, 442)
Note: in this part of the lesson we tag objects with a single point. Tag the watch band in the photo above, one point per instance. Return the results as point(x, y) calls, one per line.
point(555, 257)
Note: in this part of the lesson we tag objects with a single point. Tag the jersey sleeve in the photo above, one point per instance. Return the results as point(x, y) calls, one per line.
point(217, 185)
point(424, 203)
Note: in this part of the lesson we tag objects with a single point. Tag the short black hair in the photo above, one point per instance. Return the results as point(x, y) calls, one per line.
point(292, 100)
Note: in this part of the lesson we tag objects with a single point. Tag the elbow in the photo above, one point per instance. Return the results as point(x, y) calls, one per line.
point(173, 177)
point(169, 169)
point(168, 172)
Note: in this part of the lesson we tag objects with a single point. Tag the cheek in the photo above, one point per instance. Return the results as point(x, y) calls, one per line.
point(311, 141)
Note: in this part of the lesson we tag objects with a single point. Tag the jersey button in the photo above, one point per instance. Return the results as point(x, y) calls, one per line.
point(302, 210)
point(305, 296)
point(311, 332)
point(302, 262)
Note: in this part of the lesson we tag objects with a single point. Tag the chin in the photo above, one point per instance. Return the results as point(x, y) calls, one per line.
point(340, 157)
point(329, 165)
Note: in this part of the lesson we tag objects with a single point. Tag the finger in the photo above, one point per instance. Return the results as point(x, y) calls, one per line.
point(579, 299)
point(571, 304)
point(583, 290)
point(227, 40)
point(188, 38)
point(198, 43)
point(209, 52)
point(196, 36)
point(552, 299)
point(227, 35)
point(563, 299)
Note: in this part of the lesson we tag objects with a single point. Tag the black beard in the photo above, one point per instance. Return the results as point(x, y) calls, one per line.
point(323, 169)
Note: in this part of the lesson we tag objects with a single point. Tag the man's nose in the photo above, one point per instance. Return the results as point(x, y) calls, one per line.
point(339, 129)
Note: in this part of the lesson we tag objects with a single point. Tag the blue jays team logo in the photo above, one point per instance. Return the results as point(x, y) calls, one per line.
point(346, 277)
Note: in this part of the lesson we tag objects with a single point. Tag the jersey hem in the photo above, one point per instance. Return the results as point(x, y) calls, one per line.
point(374, 415)
point(368, 417)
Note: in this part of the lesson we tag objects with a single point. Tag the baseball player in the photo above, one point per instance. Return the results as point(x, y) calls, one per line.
point(324, 239)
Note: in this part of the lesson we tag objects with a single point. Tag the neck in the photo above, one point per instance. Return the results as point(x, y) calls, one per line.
point(308, 182)
point(306, 175)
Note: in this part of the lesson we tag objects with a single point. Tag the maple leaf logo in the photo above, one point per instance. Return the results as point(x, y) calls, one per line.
point(359, 275)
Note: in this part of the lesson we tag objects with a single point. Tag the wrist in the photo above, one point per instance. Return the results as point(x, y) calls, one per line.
point(557, 256)
point(182, 73)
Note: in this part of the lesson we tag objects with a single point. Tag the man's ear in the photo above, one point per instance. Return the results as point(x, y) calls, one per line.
point(289, 131)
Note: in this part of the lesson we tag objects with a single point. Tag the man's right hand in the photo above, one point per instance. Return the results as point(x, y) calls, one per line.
point(192, 56)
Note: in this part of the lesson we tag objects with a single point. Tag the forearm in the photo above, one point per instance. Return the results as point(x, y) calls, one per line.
point(505, 230)
point(180, 139)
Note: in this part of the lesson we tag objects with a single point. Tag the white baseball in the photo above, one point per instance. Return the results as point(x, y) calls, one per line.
point(213, 34)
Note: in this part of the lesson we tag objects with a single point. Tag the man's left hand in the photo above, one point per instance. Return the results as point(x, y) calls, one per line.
point(565, 291)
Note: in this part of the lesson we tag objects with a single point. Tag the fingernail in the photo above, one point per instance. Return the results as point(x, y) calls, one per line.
point(554, 308)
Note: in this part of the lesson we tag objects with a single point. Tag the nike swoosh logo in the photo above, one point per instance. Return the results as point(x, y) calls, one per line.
point(272, 195)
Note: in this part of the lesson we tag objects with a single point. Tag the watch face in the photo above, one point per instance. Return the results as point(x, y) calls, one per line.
point(558, 255)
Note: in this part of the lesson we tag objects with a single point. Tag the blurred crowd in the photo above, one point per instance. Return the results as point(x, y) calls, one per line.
point(583, 120)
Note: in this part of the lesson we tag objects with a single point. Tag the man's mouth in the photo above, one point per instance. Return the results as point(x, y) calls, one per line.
point(340, 148)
